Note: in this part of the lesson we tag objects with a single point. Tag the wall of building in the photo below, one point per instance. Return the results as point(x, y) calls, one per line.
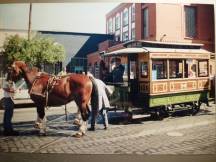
point(169, 21)
point(170, 24)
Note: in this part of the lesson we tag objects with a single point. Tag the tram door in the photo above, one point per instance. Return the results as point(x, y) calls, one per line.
point(133, 75)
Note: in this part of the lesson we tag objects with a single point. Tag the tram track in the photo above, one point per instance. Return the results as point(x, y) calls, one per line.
point(48, 144)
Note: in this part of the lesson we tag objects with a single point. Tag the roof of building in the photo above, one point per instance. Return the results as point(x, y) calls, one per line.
point(77, 44)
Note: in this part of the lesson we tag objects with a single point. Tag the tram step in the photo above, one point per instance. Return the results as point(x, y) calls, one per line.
point(180, 109)
point(137, 116)
point(137, 111)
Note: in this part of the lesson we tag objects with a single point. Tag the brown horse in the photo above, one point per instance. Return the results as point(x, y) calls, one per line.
point(47, 90)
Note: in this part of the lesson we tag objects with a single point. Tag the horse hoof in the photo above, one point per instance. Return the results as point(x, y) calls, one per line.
point(78, 135)
point(42, 134)
point(76, 122)
point(91, 129)
point(36, 126)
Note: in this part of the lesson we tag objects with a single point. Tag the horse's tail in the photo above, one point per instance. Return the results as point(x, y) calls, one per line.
point(94, 96)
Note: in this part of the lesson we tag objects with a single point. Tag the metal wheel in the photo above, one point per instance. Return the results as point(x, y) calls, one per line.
point(195, 108)
point(158, 114)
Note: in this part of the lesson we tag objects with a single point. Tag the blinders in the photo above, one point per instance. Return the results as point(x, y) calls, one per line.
point(14, 73)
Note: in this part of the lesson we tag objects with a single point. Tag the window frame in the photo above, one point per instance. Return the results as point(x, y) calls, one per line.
point(127, 17)
point(117, 21)
point(110, 25)
point(165, 70)
point(180, 61)
point(124, 40)
point(195, 24)
point(133, 37)
point(146, 29)
point(141, 69)
point(207, 74)
point(133, 13)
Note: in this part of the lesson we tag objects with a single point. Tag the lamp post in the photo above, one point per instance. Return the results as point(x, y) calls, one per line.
point(29, 22)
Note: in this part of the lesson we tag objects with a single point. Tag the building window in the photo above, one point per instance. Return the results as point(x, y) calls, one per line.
point(125, 36)
point(159, 69)
point(110, 26)
point(146, 23)
point(117, 38)
point(117, 22)
point(133, 33)
point(190, 21)
point(125, 17)
point(133, 13)
point(203, 68)
point(175, 69)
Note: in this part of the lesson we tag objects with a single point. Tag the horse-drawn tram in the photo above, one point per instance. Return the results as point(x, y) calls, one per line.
point(161, 78)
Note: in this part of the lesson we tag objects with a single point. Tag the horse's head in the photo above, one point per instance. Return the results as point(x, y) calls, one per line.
point(15, 70)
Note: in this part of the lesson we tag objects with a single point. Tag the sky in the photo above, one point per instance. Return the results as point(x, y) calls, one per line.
point(70, 17)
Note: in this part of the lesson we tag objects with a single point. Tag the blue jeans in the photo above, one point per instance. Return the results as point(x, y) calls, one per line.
point(8, 114)
point(103, 113)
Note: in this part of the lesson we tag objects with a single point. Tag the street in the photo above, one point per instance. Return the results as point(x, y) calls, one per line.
point(182, 134)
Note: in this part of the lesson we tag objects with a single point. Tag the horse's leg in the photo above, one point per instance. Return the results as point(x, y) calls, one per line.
point(41, 119)
point(78, 118)
point(84, 110)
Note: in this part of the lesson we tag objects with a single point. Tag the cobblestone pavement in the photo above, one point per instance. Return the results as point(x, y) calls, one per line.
point(174, 135)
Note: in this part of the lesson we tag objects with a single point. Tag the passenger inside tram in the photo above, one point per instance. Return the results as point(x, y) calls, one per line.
point(116, 75)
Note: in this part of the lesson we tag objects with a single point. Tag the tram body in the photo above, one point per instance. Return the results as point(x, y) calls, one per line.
point(161, 76)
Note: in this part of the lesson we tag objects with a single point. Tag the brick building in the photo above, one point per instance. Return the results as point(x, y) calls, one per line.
point(175, 23)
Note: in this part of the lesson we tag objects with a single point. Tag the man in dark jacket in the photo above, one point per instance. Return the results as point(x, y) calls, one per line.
point(118, 71)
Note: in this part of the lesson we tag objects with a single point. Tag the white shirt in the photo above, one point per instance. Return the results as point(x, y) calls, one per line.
point(102, 95)
point(8, 85)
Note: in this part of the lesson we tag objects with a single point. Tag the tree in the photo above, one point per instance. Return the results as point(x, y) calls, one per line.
point(37, 51)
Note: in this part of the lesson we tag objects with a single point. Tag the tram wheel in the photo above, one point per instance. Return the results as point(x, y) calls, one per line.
point(127, 118)
point(157, 114)
point(195, 109)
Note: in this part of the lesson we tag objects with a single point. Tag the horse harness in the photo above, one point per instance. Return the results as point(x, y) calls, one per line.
point(51, 83)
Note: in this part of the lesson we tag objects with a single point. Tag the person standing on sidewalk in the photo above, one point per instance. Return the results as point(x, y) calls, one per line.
point(9, 90)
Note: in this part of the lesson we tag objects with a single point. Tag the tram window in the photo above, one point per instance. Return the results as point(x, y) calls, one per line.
point(203, 68)
point(175, 69)
point(190, 68)
point(125, 75)
point(159, 69)
point(133, 70)
point(211, 71)
point(144, 69)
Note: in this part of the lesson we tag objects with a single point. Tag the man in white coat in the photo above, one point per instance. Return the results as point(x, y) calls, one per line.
point(103, 104)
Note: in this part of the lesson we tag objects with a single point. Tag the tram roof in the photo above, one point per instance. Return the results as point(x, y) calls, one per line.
point(157, 44)
point(126, 51)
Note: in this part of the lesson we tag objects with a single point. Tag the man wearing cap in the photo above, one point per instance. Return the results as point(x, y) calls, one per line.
point(9, 90)
point(118, 71)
